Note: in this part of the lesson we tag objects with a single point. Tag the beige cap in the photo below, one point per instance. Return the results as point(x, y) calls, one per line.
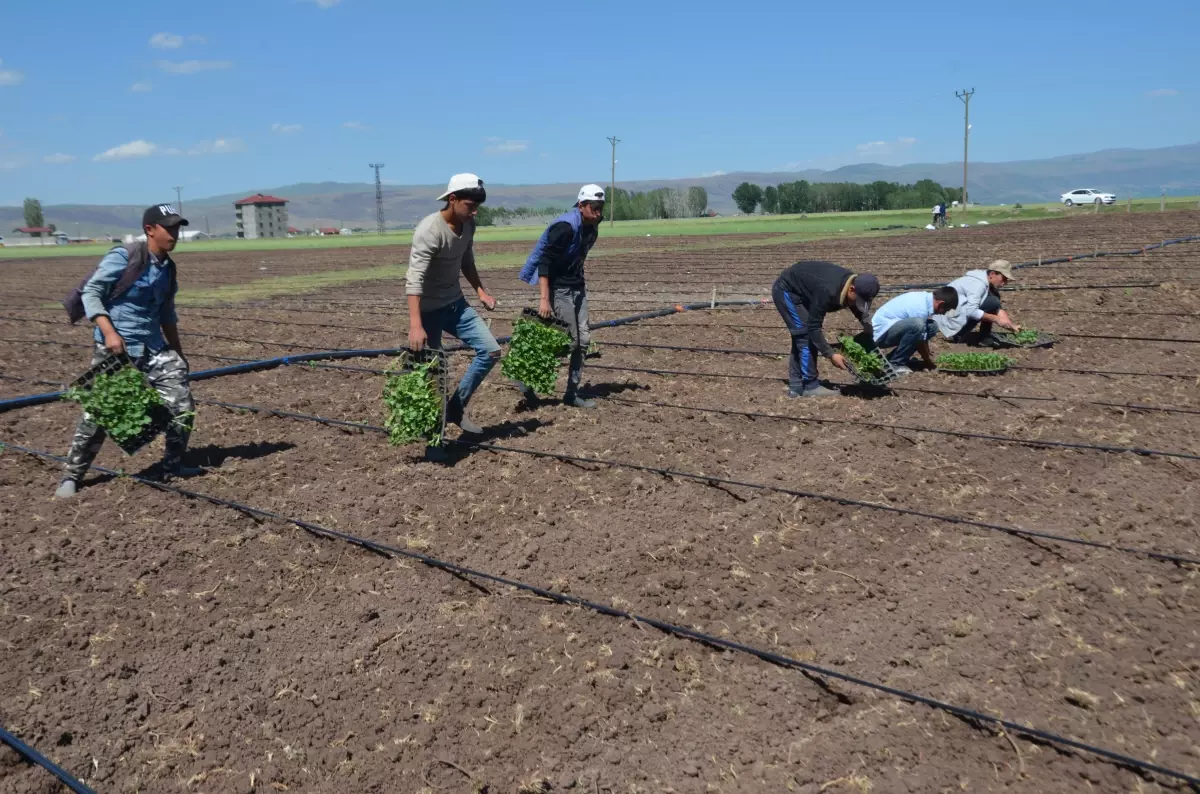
point(1003, 267)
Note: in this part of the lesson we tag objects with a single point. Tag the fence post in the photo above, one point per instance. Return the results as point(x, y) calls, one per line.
point(713, 305)
point(1129, 205)
point(1162, 202)
point(1096, 207)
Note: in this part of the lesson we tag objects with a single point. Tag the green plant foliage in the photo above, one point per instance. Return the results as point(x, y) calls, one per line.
point(119, 402)
point(1026, 336)
point(414, 405)
point(868, 363)
point(981, 362)
point(533, 355)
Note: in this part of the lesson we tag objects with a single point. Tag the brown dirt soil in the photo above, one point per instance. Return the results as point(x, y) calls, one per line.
point(156, 643)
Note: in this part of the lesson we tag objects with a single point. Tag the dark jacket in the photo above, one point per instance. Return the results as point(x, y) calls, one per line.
point(561, 251)
point(819, 287)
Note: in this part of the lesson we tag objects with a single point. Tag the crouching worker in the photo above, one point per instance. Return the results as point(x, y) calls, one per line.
point(442, 250)
point(906, 324)
point(804, 294)
point(979, 306)
point(130, 298)
point(556, 267)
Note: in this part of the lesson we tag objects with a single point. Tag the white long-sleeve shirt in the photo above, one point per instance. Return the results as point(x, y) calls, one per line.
point(972, 289)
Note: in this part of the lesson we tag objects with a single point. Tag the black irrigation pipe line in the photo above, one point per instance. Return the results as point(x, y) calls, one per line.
point(31, 755)
point(970, 716)
point(1026, 534)
point(782, 354)
point(1030, 442)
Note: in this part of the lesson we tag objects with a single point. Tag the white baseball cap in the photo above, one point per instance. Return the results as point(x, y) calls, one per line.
point(461, 182)
point(590, 193)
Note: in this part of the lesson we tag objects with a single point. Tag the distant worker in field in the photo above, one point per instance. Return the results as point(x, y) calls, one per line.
point(804, 294)
point(979, 306)
point(442, 250)
point(556, 267)
point(939, 214)
point(130, 298)
point(906, 324)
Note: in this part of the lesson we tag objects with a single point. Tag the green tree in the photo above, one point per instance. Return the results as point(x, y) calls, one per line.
point(697, 201)
point(33, 213)
point(770, 199)
point(747, 196)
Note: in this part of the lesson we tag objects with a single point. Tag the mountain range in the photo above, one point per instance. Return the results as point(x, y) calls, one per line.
point(1126, 172)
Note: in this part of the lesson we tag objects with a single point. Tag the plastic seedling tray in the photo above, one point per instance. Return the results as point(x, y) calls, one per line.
point(410, 358)
point(160, 416)
point(1007, 340)
point(877, 381)
point(552, 321)
point(997, 371)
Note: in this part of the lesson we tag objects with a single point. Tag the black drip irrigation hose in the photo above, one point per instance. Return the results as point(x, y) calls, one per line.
point(971, 716)
point(34, 757)
point(1027, 534)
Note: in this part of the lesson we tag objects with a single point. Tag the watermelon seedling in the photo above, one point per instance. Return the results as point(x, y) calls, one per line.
point(534, 353)
point(120, 402)
point(868, 363)
point(414, 405)
point(1026, 336)
point(973, 362)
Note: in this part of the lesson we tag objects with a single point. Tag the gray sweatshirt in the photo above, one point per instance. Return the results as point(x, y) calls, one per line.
point(972, 290)
point(436, 261)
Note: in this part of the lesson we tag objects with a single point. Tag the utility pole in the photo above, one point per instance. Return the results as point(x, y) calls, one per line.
point(378, 197)
point(179, 199)
point(965, 96)
point(612, 188)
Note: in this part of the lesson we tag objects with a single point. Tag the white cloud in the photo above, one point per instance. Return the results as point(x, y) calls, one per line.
point(906, 141)
point(10, 76)
point(127, 151)
point(166, 41)
point(218, 146)
point(355, 125)
point(285, 129)
point(501, 146)
point(325, 3)
point(171, 151)
point(713, 173)
point(197, 39)
point(141, 87)
point(1163, 92)
point(870, 147)
point(59, 157)
point(191, 67)
point(884, 147)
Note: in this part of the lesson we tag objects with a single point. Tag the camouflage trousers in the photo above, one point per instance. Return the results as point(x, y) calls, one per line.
point(167, 372)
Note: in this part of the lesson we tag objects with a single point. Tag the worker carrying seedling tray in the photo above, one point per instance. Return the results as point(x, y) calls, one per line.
point(804, 294)
point(130, 298)
point(556, 267)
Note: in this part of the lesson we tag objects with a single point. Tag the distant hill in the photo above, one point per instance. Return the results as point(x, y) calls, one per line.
point(1126, 172)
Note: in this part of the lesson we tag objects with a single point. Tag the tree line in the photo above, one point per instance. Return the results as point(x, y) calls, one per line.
point(802, 196)
point(622, 205)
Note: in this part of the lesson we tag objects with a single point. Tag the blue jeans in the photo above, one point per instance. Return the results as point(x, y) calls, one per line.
point(905, 335)
point(802, 366)
point(460, 321)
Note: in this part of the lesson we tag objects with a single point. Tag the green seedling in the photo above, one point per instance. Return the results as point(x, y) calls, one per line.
point(533, 355)
point(119, 402)
point(868, 363)
point(977, 362)
point(414, 405)
point(1026, 336)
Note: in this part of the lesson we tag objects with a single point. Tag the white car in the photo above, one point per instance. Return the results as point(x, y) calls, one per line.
point(1087, 196)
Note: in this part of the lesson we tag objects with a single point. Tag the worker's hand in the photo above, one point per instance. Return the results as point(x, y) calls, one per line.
point(114, 344)
point(417, 338)
point(488, 301)
point(544, 309)
point(1006, 321)
point(839, 360)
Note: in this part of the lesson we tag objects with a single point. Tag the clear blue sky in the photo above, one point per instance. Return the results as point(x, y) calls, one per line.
point(100, 106)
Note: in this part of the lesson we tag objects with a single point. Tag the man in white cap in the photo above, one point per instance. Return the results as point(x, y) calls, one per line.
point(441, 251)
point(556, 267)
point(978, 305)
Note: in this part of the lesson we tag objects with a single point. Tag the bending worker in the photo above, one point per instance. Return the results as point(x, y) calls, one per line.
point(556, 267)
point(978, 306)
point(906, 323)
point(804, 294)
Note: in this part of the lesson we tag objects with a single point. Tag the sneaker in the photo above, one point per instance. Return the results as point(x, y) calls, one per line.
point(575, 401)
point(66, 489)
point(456, 415)
point(178, 472)
point(528, 395)
point(901, 370)
point(815, 391)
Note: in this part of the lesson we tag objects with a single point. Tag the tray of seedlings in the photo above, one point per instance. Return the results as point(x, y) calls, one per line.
point(867, 367)
point(117, 397)
point(414, 397)
point(973, 363)
point(535, 351)
point(1026, 337)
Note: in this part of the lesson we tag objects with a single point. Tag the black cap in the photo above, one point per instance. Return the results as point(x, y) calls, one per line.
point(163, 215)
point(866, 287)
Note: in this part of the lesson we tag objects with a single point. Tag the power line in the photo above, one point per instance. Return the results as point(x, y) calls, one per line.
point(378, 197)
point(612, 191)
point(965, 96)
